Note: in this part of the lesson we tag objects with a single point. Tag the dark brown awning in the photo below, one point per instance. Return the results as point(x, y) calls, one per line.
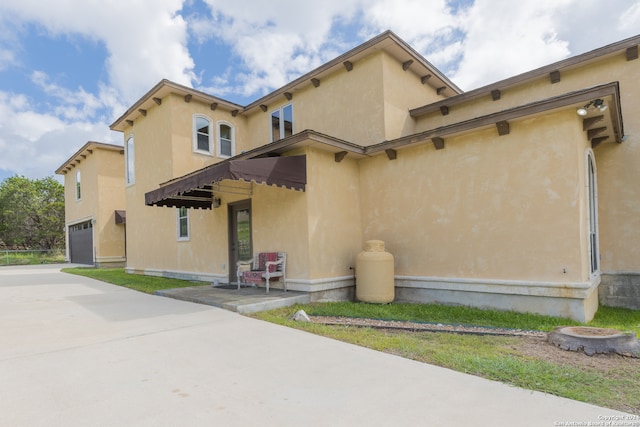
point(195, 189)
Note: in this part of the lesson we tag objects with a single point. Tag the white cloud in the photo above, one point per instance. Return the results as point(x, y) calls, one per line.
point(146, 40)
point(504, 38)
point(34, 144)
point(630, 18)
point(277, 40)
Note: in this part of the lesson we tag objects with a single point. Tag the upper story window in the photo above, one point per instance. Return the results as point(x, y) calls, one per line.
point(202, 135)
point(130, 161)
point(226, 140)
point(282, 123)
point(183, 223)
point(78, 187)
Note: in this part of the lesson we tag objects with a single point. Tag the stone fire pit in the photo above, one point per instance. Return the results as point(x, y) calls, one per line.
point(595, 340)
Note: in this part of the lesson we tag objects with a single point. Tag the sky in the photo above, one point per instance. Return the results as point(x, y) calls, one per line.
point(69, 68)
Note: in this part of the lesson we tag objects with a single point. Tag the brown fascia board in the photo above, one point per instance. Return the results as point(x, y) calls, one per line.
point(303, 137)
point(167, 86)
point(90, 145)
point(565, 100)
point(353, 55)
point(538, 73)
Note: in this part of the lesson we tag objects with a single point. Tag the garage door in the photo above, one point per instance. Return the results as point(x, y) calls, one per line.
point(81, 243)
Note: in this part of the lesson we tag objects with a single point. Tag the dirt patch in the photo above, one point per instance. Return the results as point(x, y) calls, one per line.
point(539, 348)
point(532, 344)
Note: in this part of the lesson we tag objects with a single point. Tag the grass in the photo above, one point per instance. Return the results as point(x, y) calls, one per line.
point(497, 358)
point(138, 282)
point(31, 257)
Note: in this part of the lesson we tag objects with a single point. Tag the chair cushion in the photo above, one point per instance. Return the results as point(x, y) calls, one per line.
point(252, 276)
point(265, 257)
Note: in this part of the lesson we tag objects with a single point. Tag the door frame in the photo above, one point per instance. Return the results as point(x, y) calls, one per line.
point(233, 208)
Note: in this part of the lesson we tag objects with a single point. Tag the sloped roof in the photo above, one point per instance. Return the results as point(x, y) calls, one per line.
point(83, 152)
point(388, 41)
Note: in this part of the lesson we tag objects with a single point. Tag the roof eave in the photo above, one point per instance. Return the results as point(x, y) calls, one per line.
point(88, 147)
point(356, 53)
point(535, 74)
point(160, 90)
point(539, 107)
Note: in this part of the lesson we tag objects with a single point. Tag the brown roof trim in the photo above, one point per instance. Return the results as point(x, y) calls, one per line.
point(84, 150)
point(581, 96)
point(414, 59)
point(542, 72)
point(299, 138)
point(338, 63)
point(171, 87)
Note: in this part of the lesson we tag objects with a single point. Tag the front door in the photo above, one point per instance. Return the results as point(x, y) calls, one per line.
point(239, 236)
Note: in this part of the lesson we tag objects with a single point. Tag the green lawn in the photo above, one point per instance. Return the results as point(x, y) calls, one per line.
point(498, 358)
point(138, 282)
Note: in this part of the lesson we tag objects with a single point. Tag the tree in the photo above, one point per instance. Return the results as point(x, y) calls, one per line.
point(32, 212)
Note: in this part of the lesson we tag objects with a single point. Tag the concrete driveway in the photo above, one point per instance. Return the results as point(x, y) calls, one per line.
point(78, 352)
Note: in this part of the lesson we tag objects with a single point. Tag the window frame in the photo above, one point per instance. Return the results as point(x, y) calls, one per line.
point(281, 123)
point(130, 161)
point(593, 240)
point(195, 133)
point(219, 153)
point(78, 185)
point(179, 218)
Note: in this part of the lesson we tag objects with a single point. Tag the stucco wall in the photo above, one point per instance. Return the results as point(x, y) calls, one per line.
point(486, 206)
point(619, 198)
point(366, 105)
point(109, 236)
point(402, 91)
point(334, 215)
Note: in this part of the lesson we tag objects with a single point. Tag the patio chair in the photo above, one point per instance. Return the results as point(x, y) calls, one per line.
point(264, 265)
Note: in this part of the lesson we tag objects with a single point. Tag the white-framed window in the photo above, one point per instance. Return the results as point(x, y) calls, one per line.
point(282, 122)
point(182, 225)
point(202, 135)
point(130, 161)
point(78, 186)
point(226, 140)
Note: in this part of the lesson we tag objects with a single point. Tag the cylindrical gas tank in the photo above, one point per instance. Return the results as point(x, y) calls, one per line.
point(374, 273)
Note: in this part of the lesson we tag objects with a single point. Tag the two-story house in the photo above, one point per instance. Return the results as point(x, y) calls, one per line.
point(520, 195)
point(95, 205)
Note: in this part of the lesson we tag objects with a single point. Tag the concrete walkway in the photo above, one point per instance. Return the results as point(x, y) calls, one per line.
point(245, 301)
point(78, 352)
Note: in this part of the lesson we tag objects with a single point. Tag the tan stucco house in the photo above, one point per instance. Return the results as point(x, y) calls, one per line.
point(95, 205)
point(521, 195)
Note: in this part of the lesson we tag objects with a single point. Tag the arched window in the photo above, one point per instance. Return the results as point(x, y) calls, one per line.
point(130, 161)
point(78, 187)
point(226, 140)
point(202, 135)
point(592, 195)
